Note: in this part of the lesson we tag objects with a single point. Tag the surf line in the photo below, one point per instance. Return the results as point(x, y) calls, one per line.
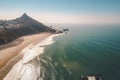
point(25, 69)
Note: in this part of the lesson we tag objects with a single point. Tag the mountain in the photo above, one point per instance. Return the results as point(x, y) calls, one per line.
point(24, 25)
point(28, 21)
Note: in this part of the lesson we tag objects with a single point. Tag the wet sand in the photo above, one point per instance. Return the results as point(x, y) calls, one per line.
point(9, 55)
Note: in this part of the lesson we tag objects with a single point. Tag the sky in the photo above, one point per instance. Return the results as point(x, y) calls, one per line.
point(63, 11)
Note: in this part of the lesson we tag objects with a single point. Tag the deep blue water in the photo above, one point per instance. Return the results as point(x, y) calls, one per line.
point(85, 49)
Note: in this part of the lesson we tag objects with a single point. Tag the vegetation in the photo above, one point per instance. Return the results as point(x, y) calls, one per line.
point(12, 29)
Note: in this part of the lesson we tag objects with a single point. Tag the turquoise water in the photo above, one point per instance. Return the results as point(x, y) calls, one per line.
point(85, 49)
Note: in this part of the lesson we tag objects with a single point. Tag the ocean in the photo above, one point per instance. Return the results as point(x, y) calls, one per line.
point(84, 50)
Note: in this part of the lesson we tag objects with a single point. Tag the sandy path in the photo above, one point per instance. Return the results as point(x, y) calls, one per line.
point(9, 54)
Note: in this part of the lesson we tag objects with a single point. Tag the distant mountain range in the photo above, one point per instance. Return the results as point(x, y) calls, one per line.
point(24, 25)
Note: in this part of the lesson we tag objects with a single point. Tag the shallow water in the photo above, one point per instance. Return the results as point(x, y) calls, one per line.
point(84, 50)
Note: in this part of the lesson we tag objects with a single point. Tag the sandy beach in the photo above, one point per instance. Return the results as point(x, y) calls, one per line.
point(28, 67)
point(9, 53)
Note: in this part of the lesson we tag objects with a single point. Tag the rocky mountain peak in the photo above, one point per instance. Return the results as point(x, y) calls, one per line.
point(24, 16)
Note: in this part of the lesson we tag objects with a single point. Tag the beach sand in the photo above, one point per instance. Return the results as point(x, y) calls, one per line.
point(9, 53)
point(28, 68)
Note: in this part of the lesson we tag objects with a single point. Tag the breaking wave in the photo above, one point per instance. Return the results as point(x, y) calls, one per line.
point(34, 66)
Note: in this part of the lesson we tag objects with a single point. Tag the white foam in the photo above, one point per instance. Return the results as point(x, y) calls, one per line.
point(91, 78)
point(24, 70)
point(37, 49)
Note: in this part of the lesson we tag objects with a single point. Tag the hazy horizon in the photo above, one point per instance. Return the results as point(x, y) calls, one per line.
point(63, 11)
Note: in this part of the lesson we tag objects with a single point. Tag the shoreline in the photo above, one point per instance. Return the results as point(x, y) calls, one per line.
point(11, 55)
point(22, 69)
